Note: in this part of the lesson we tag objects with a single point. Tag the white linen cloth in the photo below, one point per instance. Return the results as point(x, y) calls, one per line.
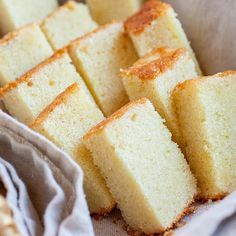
point(211, 28)
point(52, 179)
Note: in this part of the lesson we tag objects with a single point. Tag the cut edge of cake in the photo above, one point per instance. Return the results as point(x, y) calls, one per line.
point(70, 5)
point(61, 98)
point(27, 76)
point(178, 89)
point(14, 34)
point(200, 79)
point(93, 32)
point(115, 116)
point(36, 124)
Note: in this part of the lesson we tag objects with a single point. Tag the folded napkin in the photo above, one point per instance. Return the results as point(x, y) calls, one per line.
point(52, 180)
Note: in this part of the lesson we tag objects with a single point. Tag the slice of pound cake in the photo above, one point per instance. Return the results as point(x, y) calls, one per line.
point(145, 171)
point(76, 114)
point(104, 11)
point(156, 25)
point(67, 23)
point(207, 116)
point(99, 56)
point(15, 13)
point(155, 76)
point(20, 51)
point(29, 95)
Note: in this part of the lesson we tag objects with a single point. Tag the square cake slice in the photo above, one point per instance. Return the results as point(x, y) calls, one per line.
point(98, 57)
point(155, 26)
point(76, 114)
point(20, 51)
point(144, 169)
point(16, 13)
point(206, 110)
point(67, 23)
point(29, 95)
point(155, 76)
point(104, 11)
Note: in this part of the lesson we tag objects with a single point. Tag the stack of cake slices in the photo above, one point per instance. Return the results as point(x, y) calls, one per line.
point(127, 101)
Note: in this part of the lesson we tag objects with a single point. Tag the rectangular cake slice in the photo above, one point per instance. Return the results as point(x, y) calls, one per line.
point(16, 13)
point(145, 171)
point(206, 109)
point(155, 76)
point(67, 23)
point(99, 56)
point(29, 95)
point(64, 122)
point(104, 11)
point(20, 51)
point(156, 25)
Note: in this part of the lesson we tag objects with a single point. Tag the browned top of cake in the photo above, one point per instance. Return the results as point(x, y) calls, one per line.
point(161, 59)
point(102, 125)
point(150, 11)
point(61, 98)
point(14, 34)
point(94, 32)
point(28, 75)
point(221, 75)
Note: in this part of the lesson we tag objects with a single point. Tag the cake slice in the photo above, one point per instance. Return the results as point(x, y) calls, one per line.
point(76, 114)
point(20, 51)
point(29, 95)
point(155, 26)
point(104, 11)
point(155, 76)
point(145, 171)
point(98, 57)
point(15, 13)
point(67, 23)
point(207, 116)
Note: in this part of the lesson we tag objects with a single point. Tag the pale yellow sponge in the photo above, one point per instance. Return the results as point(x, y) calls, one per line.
point(207, 116)
point(64, 122)
point(156, 25)
point(155, 76)
point(67, 23)
point(20, 51)
point(98, 57)
point(144, 169)
point(29, 95)
point(104, 11)
point(16, 13)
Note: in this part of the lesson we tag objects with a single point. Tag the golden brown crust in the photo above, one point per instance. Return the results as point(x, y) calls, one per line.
point(61, 98)
point(188, 210)
point(222, 75)
point(114, 117)
point(215, 197)
point(103, 212)
point(150, 11)
point(93, 32)
point(28, 75)
point(150, 70)
point(12, 35)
